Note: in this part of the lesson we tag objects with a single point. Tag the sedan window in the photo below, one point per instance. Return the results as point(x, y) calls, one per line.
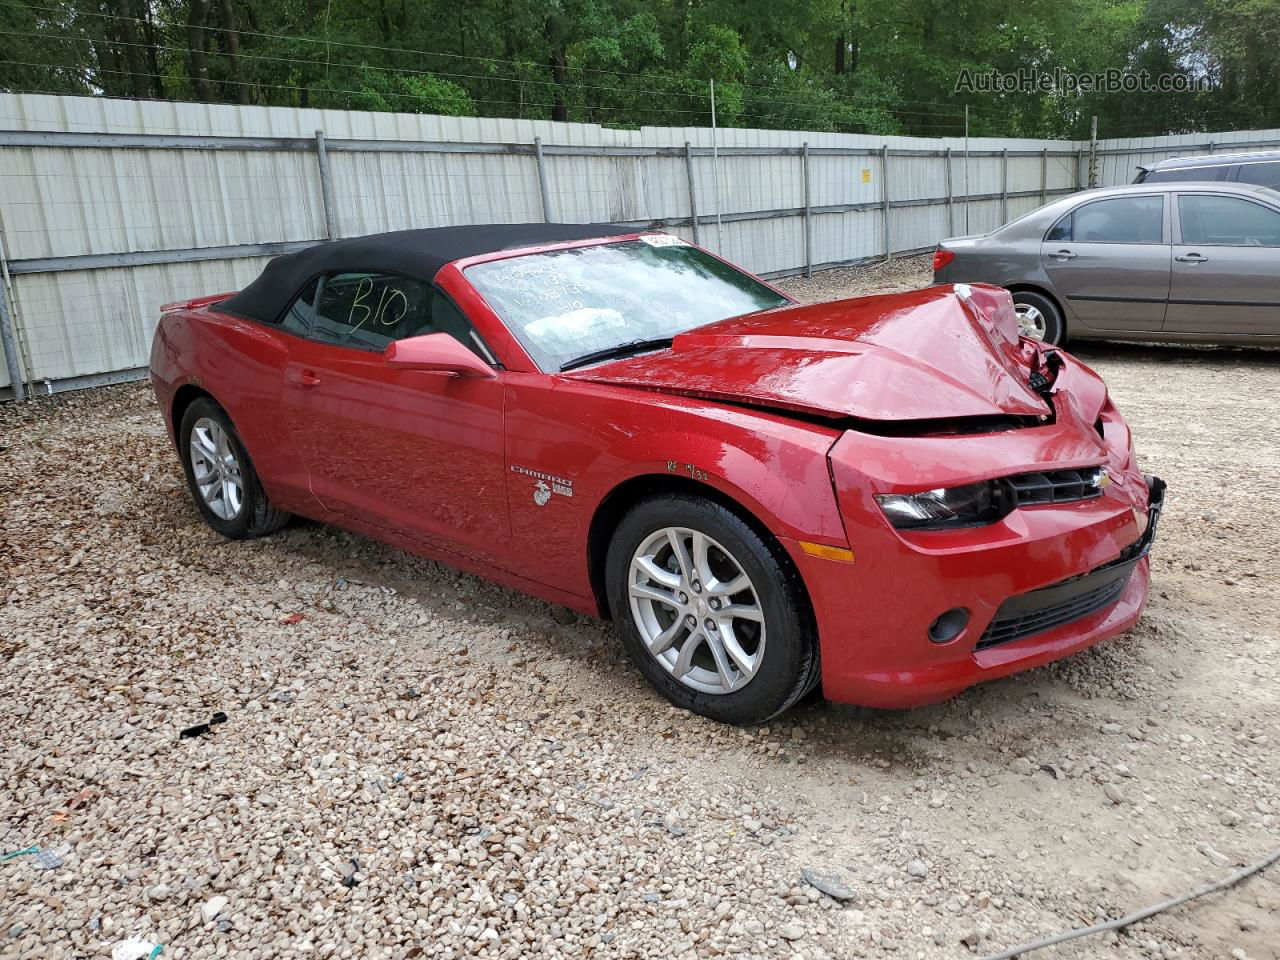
point(1227, 221)
point(566, 304)
point(1116, 220)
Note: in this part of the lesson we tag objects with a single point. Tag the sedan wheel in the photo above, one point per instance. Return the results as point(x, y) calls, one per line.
point(215, 469)
point(1038, 317)
point(1031, 322)
point(697, 610)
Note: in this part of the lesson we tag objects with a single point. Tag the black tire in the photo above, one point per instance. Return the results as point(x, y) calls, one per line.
point(789, 668)
point(1055, 333)
point(256, 517)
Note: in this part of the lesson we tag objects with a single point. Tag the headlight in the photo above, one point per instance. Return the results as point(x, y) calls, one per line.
point(944, 507)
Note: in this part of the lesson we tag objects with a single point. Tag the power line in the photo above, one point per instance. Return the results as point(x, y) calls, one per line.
point(810, 105)
point(455, 56)
point(420, 98)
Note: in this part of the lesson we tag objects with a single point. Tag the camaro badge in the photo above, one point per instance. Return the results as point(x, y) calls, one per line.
point(545, 485)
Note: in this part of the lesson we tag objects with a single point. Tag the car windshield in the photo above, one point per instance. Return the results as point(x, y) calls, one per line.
point(565, 304)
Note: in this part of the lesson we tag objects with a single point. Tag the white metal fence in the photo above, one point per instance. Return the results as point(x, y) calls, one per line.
point(110, 208)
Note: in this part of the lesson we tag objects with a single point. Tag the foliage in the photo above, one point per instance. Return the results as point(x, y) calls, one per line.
point(879, 66)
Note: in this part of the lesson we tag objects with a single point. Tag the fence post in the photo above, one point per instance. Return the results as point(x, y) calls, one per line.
point(326, 188)
point(808, 214)
point(1004, 185)
point(10, 346)
point(884, 201)
point(1211, 146)
point(1093, 153)
point(951, 216)
point(693, 190)
point(1044, 175)
point(966, 168)
point(1079, 163)
point(542, 180)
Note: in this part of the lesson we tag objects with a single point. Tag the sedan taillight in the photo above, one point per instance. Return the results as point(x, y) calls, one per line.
point(941, 258)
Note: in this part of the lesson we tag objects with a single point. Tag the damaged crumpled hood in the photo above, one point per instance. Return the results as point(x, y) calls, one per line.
point(939, 353)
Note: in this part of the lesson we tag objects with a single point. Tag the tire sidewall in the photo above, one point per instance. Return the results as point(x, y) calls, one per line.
point(788, 645)
point(236, 528)
point(1055, 326)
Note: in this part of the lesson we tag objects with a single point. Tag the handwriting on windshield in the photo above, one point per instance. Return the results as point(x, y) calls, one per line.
point(530, 285)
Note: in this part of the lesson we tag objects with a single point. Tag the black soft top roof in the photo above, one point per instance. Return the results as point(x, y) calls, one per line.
point(415, 253)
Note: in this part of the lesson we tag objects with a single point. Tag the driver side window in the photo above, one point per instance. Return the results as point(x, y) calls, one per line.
point(367, 311)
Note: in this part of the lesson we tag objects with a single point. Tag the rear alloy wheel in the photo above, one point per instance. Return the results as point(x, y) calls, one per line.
point(712, 615)
point(215, 470)
point(223, 483)
point(1038, 317)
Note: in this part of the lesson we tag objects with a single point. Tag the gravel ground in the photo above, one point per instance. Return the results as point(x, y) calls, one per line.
point(419, 764)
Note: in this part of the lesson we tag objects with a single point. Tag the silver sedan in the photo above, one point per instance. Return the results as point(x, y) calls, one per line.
point(1180, 262)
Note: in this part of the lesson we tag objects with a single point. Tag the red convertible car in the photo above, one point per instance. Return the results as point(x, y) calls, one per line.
point(896, 496)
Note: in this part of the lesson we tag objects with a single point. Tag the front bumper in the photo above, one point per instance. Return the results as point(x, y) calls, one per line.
point(1057, 579)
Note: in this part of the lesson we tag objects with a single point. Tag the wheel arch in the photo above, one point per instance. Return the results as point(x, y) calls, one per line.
point(183, 397)
point(645, 486)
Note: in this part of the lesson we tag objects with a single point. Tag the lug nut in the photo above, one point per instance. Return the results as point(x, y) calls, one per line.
point(684, 598)
point(711, 625)
point(714, 603)
point(691, 621)
point(697, 586)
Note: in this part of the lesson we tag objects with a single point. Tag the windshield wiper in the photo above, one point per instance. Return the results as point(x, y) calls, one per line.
point(616, 351)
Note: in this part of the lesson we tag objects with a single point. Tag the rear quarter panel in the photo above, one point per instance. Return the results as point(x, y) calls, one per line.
point(240, 364)
point(1004, 264)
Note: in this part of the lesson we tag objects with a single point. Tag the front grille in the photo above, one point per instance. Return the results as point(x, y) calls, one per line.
point(1056, 486)
point(1020, 625)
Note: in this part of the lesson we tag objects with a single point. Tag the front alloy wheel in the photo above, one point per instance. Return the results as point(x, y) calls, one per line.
point(711, 609)
point(696, 610)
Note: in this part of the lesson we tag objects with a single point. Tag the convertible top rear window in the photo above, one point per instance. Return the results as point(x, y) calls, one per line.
point(566, 303)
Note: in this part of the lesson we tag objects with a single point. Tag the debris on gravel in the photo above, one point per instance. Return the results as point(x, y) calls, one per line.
point(416, 763)
point(828, 883)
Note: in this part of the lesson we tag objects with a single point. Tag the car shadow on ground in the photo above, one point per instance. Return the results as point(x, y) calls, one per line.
point(594, 669)
point(1090, 350)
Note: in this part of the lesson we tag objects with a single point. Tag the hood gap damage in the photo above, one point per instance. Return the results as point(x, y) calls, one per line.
point(929, 427)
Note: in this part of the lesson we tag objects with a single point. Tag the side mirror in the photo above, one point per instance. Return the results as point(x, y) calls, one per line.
point(436, 351)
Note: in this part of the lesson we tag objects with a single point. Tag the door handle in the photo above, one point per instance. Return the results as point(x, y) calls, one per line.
point(304, 378)
point(1063, 255)
point(1191, 258)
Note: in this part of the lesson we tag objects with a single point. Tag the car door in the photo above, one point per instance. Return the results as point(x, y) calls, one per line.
point(417, 452)
point(1226, 267)
point(1109, 261)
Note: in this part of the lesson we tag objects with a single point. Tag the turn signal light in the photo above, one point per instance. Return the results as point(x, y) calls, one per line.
point(827, 552)
point(941, 258)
